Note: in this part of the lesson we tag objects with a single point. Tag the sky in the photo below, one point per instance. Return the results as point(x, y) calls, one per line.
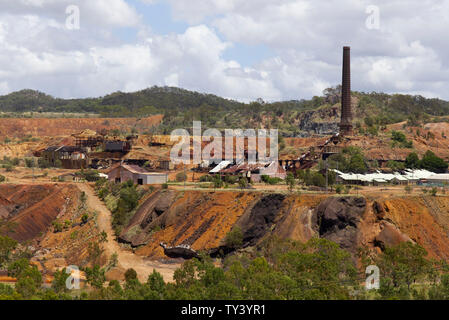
point(238, 49)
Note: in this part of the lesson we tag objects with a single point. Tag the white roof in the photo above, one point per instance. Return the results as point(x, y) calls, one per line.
point(220, 166)
point(418, 174)
point(441, 176)
point(384, 177)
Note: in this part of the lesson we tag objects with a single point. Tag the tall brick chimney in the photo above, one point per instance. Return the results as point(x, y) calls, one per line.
point(346, 113)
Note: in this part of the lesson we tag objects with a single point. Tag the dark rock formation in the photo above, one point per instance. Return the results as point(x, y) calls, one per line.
point(379, 210)
point(181, 251)
point(337, 219)
point(259, 220)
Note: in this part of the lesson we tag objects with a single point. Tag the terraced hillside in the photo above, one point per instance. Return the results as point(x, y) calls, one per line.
point(203, 219)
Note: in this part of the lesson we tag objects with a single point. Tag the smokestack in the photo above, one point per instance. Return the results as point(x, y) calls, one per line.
point(346, 113)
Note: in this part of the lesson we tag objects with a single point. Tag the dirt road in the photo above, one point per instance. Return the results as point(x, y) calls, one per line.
point(126, 259)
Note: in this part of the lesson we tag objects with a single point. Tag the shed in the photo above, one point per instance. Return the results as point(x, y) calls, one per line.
point(124, 172)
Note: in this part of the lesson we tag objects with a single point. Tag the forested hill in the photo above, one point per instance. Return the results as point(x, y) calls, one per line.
point(115, 104)
point(180, 107)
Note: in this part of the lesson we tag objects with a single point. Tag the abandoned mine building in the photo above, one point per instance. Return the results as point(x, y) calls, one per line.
point(253, 172)
point(125, 172)
point(71, 157)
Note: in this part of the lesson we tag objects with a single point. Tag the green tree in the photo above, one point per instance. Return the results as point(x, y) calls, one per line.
point(402, 264)
point(59, 282)
point(218, 183)
point(290, 181)
point(243, 183)
point(29, 279)
point(433, 163)
point(234, 238)
point(357, 164)
point(7, 245)
point(412, 161)
point(130, 275)
point(95, 276)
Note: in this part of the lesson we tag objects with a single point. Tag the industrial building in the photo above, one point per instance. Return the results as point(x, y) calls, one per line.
point(124, 172)
point(253, 172)
point(378, 178)
point(70, 157)
point(440, 179)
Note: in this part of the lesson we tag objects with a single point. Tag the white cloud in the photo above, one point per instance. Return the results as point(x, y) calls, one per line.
point(408, 54)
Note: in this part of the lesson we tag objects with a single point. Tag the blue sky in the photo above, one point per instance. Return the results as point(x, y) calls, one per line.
point(158, 16)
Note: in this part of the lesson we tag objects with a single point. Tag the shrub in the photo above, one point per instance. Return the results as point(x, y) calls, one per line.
point(318, 180)
point(43, 163)
point(181, 177)
point(290, 181)
point(130, 275)
point(29, 163)
point(57, 226)
point(231, 179)
point(58, 164)
point(2, 178)
point(243, 183)
point(84, 218)
point(89, 175)
point(271, 180)
point(206, 178)
point(164, 186)
point(338, 188)
point(218, 183)
point(434, 191)
point(234, 238)
point(111, 202)
point(8, 167)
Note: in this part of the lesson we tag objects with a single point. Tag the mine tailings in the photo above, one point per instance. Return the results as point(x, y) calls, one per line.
point(200, 220)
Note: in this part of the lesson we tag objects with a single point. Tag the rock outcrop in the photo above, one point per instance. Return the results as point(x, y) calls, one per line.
point(258, 221)
point(181, 251)
point(390, 236)
point(337, 219)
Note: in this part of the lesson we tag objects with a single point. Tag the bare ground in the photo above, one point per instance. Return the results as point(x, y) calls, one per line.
point(126, 259)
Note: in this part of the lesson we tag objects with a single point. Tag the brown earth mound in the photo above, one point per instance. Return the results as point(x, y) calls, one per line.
point(39, 207)
point(68, 126)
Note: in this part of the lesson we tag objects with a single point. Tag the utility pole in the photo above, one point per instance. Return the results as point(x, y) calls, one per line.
point(185, 175)
point(327, 176)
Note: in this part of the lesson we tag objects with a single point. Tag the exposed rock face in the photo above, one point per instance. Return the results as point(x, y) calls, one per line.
point(203, 219)
point(139, 229)
point(379, 210)
point(181, 251)
point(260, 218)
point(30, 210)
point(337, 219)
point(390, 236)
point(322, 121)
